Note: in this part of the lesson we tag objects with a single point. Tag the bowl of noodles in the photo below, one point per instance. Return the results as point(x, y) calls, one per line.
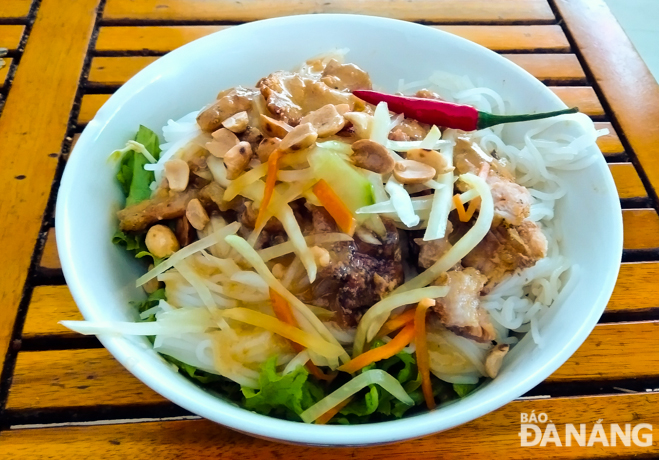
point(267, 250)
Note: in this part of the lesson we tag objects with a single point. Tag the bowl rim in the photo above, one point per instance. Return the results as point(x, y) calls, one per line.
point(268, 427)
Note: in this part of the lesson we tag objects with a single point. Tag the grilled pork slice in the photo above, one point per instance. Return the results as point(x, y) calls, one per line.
point(359, 274)
point(460, 310)
point(505, 250)
point(512, 202)
point(171, 205)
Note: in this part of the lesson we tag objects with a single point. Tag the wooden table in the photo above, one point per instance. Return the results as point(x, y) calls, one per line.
point(64, 396)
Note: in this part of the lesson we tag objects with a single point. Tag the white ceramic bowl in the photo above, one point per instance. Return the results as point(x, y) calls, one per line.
point(102, 276)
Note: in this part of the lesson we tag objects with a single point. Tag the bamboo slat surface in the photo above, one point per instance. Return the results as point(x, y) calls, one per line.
point(4, 72)
point(57, 77)
point(10, 36)
point(83, 378)
point(46, 81)
point(161, 39)
point(501, 11)
point(15, 8)
point(493, 434)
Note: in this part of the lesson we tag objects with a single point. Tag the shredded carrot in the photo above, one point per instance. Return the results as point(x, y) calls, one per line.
point(396, 323)
point(484, 171)
point(335, 207)
point(281, 308)
point(472, 208)
point(422, 356)
point(270, 181)
point(327, 416)
point(462, 214)
point(402, 339)
point(284, 313)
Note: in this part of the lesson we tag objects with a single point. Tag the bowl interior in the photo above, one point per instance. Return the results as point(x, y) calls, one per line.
point(102, 277)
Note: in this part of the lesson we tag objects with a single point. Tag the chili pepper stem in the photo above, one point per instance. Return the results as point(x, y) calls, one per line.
point(486, 120)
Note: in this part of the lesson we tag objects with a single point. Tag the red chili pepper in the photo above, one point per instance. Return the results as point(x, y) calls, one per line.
point(448, 114)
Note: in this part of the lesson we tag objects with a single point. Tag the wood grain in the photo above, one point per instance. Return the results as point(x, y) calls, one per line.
point(641, 229)
point(33, 124)
point(636, 288)
point(48, 306)
point(551, 68)
point(73, 379)
point(50, 256)
point(548, 38)
point(115, 71)
point(583, 97)
point(627, 85)
point(90, 105)
point(613, 351)
point(162, 39)
point(627, 181)
point(10, 36)
point(438, 11)
point(496, 432)
point(554, 68)
point(4, 71)
point(63, 377)
point(15, 8)
point(610, 143)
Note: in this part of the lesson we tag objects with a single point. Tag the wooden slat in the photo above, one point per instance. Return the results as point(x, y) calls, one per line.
point(551, 68)
point(49, 256)
point(599, 358)
point(496, 432)
point(15, 8)
point(502, 11)
point(613, 351)
point(48, 306)
point(10, 36)
point(548, 38)
point(641, 229)
point(627, 85)
point(627, 181)
point(610, 143)
point(34, 122)
point(90, 105)
point(74, 378)
point(554, 68)
point(117, 70)
point(4, 71)
point(162, 39)
point(583, 97)
point(636, 288)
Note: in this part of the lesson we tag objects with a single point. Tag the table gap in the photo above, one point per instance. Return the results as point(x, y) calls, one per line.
point(201, 22)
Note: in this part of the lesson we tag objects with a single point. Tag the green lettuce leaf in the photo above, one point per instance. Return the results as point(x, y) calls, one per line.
point(463, 389)
point(284, 396)
point(135, 243)
point(134, 179)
